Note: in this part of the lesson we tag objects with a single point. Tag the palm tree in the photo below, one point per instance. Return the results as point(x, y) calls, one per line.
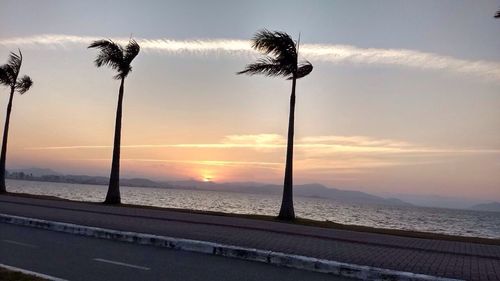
point(281, 59)
point(9, 74)
point(118, 58)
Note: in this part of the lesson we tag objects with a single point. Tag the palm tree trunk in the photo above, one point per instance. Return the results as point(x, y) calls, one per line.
point(3, 157)
point(113, 196)
point(286, 211)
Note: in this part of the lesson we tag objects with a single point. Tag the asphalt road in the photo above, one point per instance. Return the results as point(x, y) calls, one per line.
point(74, 257)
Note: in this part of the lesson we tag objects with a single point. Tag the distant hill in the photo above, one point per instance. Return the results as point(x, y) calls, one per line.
point(140, 182)
point(36, 172)
point(491, 207)
point(318, 190)
point(83, 179)
point(313, 190)
point(435, 201)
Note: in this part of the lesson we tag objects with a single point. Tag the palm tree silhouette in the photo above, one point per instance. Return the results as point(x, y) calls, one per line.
point(118, 58)
point(281, 59)
point(9, 74)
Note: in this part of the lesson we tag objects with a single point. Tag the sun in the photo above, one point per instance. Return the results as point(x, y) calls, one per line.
point(207, 175)
point(207, 178)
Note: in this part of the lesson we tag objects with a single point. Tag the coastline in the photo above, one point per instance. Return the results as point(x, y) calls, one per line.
point(298, 221)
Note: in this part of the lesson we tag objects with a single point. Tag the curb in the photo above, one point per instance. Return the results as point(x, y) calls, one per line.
point(31, 273)
point(270, 257)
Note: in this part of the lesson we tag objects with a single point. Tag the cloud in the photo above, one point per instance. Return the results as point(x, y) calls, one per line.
point(312, 144)
point(314, 155)
point(356, 140)
point(350, 166)
point(257, 139)
point(328, 53)
point(400, 57)
point(222, 163)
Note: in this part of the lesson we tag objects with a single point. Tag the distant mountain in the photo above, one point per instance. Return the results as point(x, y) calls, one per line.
point(314, 190)
point(36, 172)
point(435, 201)
point(83, 179)
point(491, 207)
point(140, 182)
point(321, 191)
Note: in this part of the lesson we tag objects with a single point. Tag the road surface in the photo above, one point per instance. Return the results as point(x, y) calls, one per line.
point(73, 257)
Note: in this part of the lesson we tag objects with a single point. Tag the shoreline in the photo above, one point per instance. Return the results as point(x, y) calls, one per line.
point(237, 192)
point(298, 221)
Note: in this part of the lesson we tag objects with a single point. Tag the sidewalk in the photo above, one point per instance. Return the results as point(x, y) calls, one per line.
point(460, 260)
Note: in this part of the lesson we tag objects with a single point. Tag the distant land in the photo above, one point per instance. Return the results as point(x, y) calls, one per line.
point(35, 172)
point(436, 201)
point(313, 190)
point(491, 207)
point(307, 190)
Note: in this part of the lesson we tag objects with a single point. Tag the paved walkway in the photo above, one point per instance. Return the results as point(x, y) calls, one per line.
point(460, 260)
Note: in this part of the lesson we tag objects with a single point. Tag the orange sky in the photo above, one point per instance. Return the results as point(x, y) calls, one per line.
point(394, 104)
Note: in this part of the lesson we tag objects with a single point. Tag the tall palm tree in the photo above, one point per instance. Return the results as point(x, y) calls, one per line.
point(281, 59)
point(117, 58)
point(9, 74)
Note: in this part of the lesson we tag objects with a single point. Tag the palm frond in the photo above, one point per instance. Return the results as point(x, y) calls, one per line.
point(281, 59)
point(7, 75)
point(131, 51)
point(266, 66)
point(4, 78)
point(277, 44)
point(304, 69)
point(10, 71)
point(15, 62)
point(111, 54)
point(23, 84)
point(115, 56)
point(121, 74)
point(497, 14)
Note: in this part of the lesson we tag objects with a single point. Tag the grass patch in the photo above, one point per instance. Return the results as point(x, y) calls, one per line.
point(8, 275)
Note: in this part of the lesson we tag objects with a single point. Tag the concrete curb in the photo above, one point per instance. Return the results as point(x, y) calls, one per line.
point(31, 273)
point(274, 258)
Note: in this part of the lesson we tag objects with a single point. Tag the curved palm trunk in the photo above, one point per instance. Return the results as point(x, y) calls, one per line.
point(286, 211)
point(113, 196)
point(3, 157)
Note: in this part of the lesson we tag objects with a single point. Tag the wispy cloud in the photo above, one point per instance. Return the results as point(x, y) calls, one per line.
point(328, 154)
point(222, 163)
point(319, 144)
point(329, 53)
point(401, 57)
point(352, 165)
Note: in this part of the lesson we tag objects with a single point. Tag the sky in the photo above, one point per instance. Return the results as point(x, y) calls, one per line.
point(404, 96)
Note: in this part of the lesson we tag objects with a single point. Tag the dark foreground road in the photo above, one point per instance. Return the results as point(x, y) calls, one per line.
point(74, 257)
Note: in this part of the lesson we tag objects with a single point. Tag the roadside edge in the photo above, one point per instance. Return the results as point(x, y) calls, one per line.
point(230, 251)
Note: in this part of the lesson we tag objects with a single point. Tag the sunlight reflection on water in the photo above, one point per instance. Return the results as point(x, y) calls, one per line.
point(447, 221)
